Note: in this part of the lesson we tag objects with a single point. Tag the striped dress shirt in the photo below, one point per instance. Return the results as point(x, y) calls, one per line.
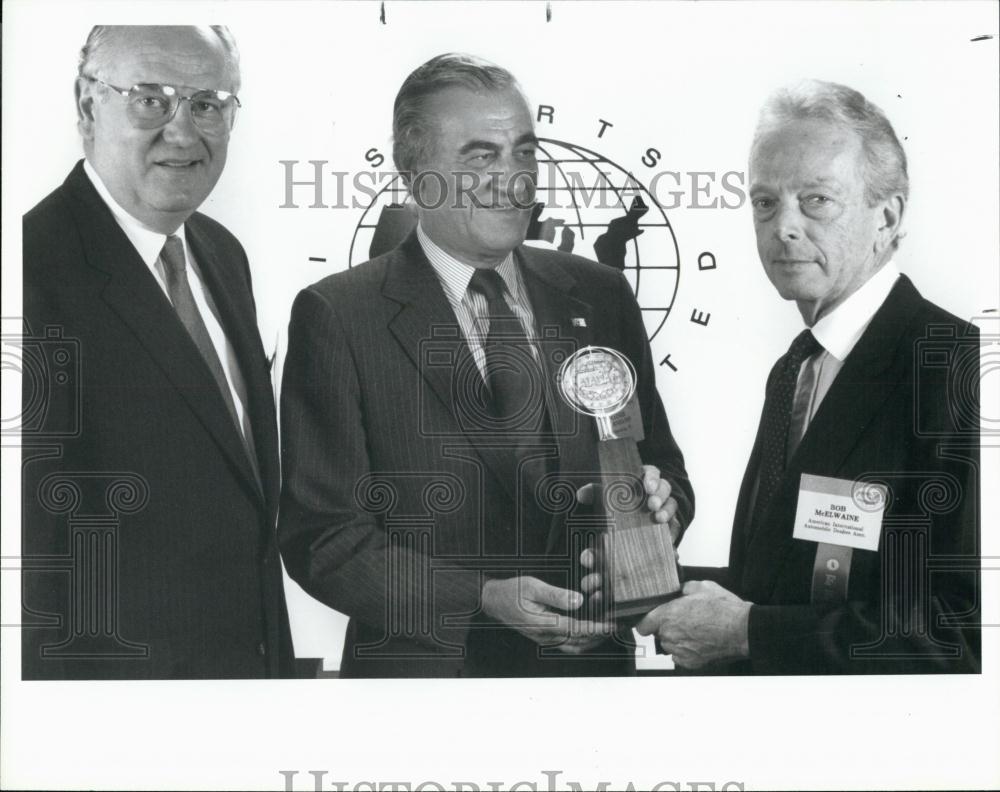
point(470, 306)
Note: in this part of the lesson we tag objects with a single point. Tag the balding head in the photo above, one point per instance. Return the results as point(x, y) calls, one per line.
point(100, 48)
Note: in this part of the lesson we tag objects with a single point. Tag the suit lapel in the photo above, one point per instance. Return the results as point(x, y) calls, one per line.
point(549, 289)
point(872, 370)
point(132, 292)
point(223, 281)
point(427, 330)
point(554, 309)
point(425, 321)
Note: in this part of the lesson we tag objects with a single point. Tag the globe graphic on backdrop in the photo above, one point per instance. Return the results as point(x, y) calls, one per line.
point(587, 205)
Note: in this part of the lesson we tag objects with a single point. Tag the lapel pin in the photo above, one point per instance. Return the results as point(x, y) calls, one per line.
point(579, 321)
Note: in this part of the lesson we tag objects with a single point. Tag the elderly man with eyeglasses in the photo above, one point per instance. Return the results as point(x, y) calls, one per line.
point(150, 477)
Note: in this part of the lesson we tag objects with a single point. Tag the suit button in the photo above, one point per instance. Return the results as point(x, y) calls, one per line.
point(261, 649)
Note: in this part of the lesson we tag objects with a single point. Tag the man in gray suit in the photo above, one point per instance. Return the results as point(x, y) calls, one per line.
point(427, 458)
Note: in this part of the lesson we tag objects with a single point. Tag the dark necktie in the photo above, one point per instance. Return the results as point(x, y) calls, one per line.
point(513, 376)
point(175, 270)
point(775, 421)
point(517, 409)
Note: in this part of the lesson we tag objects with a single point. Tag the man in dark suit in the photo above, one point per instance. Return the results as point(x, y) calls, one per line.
point(855, 542)
point(150, 453)
point(431, 467)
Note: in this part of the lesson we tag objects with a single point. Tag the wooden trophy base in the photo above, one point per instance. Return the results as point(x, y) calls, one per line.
point(637, 554)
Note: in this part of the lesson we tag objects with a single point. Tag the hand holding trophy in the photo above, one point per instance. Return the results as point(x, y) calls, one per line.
point(635, 554)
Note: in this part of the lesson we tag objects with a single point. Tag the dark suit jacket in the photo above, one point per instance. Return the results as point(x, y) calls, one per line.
point(903, 411)
point(149, 545)
point(392, 505)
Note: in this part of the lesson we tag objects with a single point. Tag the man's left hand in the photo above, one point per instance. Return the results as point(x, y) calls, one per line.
point(706, 624)
point(659, 502)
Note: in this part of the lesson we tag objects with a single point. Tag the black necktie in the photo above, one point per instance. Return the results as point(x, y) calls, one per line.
point(175, 270)
point(775, 421)
point(512, 374)
point(517, 409)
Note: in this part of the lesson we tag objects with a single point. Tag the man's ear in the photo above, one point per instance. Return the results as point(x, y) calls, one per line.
point(84, 91)
point(890, 220)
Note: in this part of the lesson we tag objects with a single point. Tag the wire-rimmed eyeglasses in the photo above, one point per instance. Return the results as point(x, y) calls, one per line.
point(152, 105)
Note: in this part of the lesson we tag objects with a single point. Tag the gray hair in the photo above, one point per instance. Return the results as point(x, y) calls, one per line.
point(413, 131)
point(885, 172)
point(92, 51)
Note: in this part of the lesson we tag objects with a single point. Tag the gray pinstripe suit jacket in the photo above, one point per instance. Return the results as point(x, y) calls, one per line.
point(394, 506)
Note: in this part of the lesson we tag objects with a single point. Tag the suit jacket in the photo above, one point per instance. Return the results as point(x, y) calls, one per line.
point(393, 505)
point(149, 543)
point(903, 412)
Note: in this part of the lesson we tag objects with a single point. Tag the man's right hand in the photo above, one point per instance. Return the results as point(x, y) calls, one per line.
point(531, 606)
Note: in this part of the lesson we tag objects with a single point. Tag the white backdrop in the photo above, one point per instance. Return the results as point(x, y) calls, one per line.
point(686, 78)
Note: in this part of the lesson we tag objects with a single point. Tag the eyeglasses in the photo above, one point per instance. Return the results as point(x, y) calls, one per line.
point(152, 105)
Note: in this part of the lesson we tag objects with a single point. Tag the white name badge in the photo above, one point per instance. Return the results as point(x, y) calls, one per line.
point(839, 512)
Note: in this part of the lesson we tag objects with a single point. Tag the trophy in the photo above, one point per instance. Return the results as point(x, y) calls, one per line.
point(635, 554)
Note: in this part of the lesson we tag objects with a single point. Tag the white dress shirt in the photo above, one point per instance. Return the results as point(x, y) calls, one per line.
point(470, 306)
point(838, 332)
point(148, 243)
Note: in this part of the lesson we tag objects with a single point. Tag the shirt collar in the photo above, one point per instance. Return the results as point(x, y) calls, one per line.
point(840, 329)
point(144, 239)
point(455, 275)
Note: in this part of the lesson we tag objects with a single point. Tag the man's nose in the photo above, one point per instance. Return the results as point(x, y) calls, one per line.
point(515, 182)
point(521, 188)
point(180, 129)
point(788, 222)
